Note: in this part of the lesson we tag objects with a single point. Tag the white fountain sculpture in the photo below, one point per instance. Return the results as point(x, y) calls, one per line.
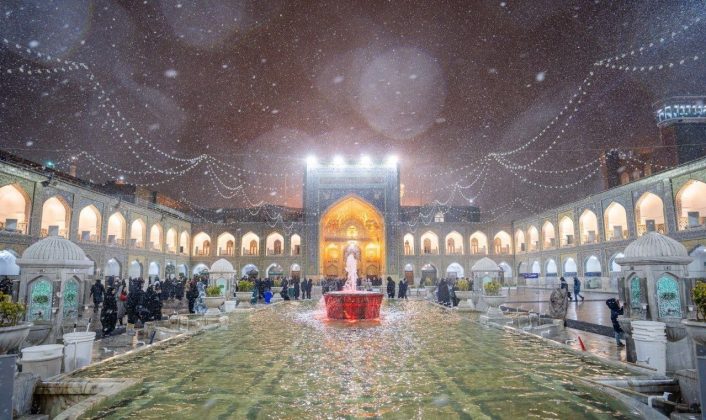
point(352, 270)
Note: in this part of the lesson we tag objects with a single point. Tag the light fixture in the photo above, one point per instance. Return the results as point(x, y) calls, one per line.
point(366, 161)
point(311, 160)
point(392, 160)
point(338, 161)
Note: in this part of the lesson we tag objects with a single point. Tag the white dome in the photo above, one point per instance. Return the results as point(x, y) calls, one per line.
point(655, 247)
point(55, 251)
point(222, 266)
point(296, 267)
point(485, 264)
point(8, 267)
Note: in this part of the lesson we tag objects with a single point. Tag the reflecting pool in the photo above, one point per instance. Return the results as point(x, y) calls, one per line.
point(417, 361)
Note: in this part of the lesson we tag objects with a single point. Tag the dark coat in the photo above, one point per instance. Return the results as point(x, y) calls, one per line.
point(615, 312)
point(391, 287)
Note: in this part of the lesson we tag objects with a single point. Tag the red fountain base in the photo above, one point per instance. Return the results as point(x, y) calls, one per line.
point(353, 305)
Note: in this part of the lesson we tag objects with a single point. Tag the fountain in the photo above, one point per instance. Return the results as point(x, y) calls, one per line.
point(350, 303)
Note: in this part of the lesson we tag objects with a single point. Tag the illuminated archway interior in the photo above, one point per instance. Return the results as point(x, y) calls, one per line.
point(352, 225)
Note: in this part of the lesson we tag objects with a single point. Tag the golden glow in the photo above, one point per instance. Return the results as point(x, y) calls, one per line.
point(352, 221)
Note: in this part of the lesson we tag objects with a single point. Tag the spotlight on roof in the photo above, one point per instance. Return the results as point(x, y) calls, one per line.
point(338, 161)
point(392, 160)
point(366, 161)
point(311, 160)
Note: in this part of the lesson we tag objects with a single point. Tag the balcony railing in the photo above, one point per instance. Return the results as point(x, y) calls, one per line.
point(616, 236)
point(44, 232)
point(202, 252)
point(115, 241)
point(430, 251)
point(502, 250)
point(134, 243)
point(692, 223)
point(91, 239)
point(567, 240)
point(225, 252)
point(274, 252)
point(248, 253)
point(454, 251)
point(642, 229)
point(14, 226)
point(479, 250)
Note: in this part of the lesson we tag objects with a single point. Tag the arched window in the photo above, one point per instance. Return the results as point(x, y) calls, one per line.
point(592, 267)
point(501, 243)
point(520, 241)
point(14, 208)
point(570, 267)
point(566, 231)
point(172, 240)
point(548, 236)
point(550, 268)
point(55, 218)
point(691, 205)
point(116, 229)
point(271, 242)
point(226, 244)
point(184, 243)
point(430, 243)
point(588, 227)
point(247, 244)
point(454, 243)
point(138, 230)
point(156, 237)
point(295, 243)
point(479, 243)
point(409, 244)
point(616, 222)
point(649, 214)
point(89, 220)
point(202, 244)
point(533, 237)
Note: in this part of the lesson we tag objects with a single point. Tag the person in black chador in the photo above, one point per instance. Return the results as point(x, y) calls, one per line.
point(284, 293)
point(191, 295)
point(402, 292)
point(302, 287)
point(97, 291)
point(309, 286)
point(442, 292)
point(135, 302)
point(390, 288)
point(6, 285)
point(616, 310)
point(109, 312)
point(179, 290)
point(153, 305)
point(166, 289)
point(295, 283)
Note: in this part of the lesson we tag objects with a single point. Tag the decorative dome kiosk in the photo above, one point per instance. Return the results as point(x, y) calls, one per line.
point(222, 274)
point(654, 289)
point(483, 272)
point(54, 283)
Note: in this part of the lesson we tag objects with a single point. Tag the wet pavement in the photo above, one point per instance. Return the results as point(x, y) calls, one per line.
point(592, 309)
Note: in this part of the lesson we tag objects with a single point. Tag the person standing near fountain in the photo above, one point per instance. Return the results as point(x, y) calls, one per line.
point(97, 291)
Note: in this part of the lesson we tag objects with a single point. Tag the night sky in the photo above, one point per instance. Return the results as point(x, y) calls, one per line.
point(259, 85)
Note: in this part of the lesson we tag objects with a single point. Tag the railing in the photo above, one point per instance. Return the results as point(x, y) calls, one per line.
point(642, 229)
point(116, 242)
point(685, 225)
point(247, 253)
point(92, 239)
point(134, 243)
point(502, 250)
point(479, 250)
point(202, 252)
point(20, 227)
point(225, 253)
point(408, 252)
point(433, 251)
point(63, 233)
point(454, 251)
point(610, 236)
point(274, 252)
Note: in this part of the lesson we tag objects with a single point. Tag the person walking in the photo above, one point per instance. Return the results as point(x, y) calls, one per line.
point(390, 288)
point(309, 286)
point(97, 292)
point(577, 289)
point(616, 309)
point(109, 312)
point(122, 299)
